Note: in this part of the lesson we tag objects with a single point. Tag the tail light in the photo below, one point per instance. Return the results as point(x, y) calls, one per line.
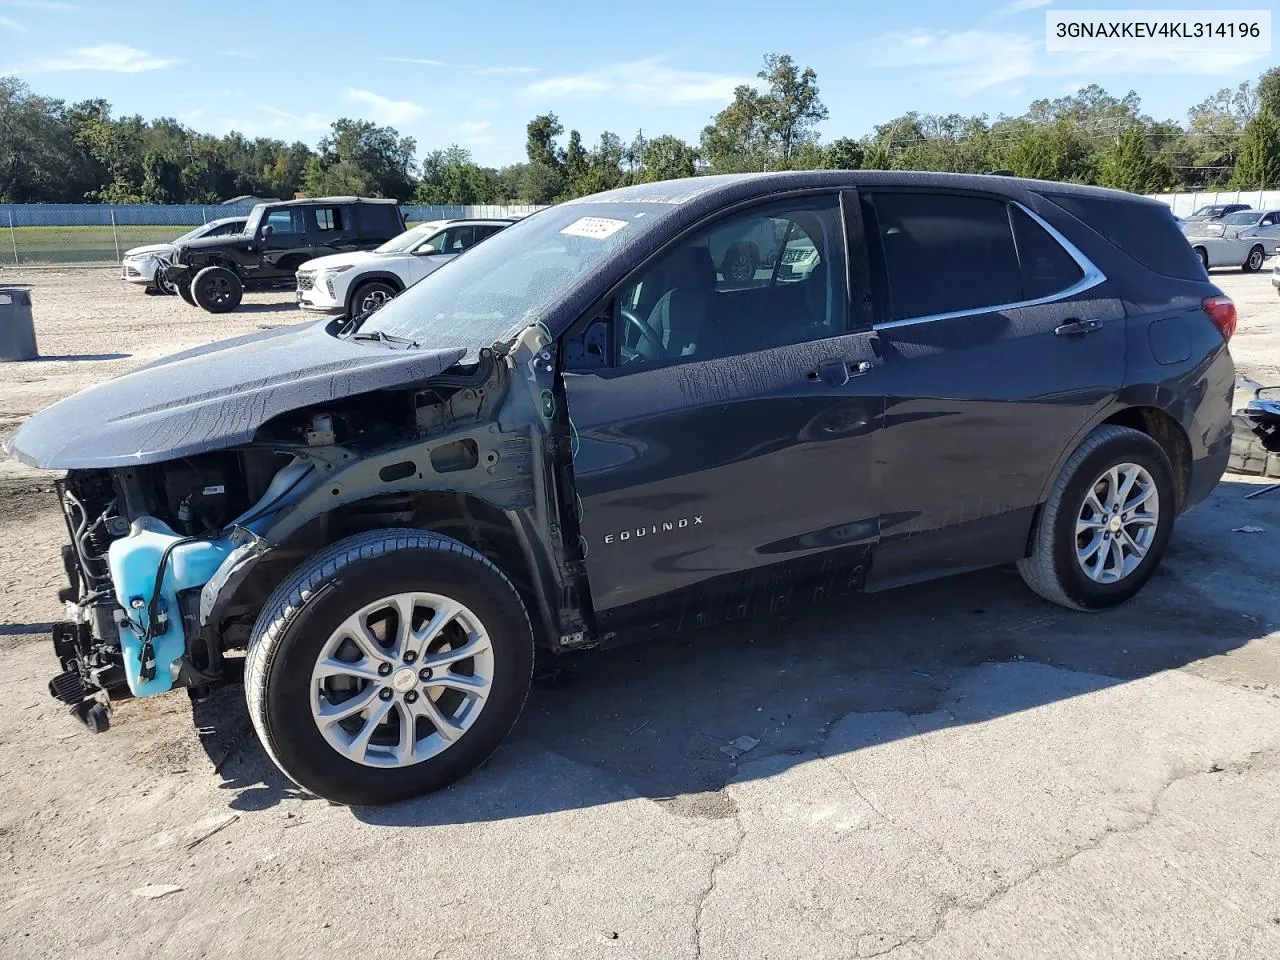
point(1222, 311)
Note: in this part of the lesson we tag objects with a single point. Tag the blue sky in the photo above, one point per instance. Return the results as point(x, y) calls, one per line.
point(475, 73)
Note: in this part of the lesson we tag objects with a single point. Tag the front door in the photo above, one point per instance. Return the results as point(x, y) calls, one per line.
point(1000, 344)
point(332, 230)
point(725, 429)
point(286, 245)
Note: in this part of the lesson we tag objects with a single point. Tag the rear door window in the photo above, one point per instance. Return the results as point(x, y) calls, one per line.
point(946, 253)
point(331, 219)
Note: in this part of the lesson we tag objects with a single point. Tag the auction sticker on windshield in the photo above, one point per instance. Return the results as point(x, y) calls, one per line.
point(595, 227)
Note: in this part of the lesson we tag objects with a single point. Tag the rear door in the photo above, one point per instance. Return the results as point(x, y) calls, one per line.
point(333, 229)
point(726, 429)
point(1000, 342)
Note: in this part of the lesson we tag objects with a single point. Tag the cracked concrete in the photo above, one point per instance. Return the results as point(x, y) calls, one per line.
point(947, 771)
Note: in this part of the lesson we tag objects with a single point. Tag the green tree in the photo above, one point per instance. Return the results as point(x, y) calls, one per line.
point(764, 130)
point(539, 183)
point(1268, 91)
point(540, 142)
point(844, 154)
point(1259, 164)
point(39, 157)
point(361, 158)
point(667, 158)
point(1129, 165)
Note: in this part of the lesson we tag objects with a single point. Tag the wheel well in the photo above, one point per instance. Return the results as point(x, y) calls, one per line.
point(362, 282)
point(1167, 432)
point(467, 518)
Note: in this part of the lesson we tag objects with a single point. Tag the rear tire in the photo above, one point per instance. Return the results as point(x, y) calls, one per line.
point(184, 291)
point(217, 289)
point(1071, 537)
point(1253, 263)
point(1203, 254)
point(365, 757)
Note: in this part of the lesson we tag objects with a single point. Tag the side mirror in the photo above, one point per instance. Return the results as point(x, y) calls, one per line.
point(267, 231)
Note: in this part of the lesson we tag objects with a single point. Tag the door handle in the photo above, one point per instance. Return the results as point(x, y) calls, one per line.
point(835, 373)
point(1077, 328)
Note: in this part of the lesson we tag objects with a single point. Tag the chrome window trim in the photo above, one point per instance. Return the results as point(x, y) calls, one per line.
point(1092, 278)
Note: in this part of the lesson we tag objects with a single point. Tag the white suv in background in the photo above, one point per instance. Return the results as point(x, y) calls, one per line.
point(140, 263)
point(350, 284)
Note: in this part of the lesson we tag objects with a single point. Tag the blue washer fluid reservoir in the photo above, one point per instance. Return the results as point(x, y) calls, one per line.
point(133, 561)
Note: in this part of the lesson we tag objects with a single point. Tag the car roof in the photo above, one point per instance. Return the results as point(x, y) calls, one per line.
point(707, 191)
point(312, 201)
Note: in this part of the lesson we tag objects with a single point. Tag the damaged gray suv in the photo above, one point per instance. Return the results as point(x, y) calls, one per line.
point(585, 431)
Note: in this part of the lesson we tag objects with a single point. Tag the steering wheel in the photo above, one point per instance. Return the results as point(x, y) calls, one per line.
point(647, 336)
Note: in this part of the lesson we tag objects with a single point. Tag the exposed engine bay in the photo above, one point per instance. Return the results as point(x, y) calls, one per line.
point(169, 563)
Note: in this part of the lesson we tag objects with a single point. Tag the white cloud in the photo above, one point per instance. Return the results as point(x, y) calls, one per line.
point(1021, 6)
point(384, 109)
point(7, 24)
point(643, 81)
point(108, 57)
point(427, 63)
point(967, 61)
point(285, 123)
point(970, 61)
point(492, 71)
point(475, 133)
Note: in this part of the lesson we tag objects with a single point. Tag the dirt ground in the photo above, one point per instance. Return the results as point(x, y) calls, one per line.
point(945, 771)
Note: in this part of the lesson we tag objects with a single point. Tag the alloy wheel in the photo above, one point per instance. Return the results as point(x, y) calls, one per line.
point(1117, 523)
point(402, 679)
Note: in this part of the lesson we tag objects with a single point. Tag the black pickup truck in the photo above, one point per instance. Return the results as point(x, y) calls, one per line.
point(214, 272)
point(583, 432)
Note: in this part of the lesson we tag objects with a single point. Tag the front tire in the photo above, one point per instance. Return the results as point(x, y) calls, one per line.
point(184, 291)
point(369, 297)
point(1203, 254)
point(1255, 259)
point(217, 289)
point(389, 665)
point(1106, 523)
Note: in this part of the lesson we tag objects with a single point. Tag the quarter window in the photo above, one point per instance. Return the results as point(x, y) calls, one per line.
point(946, 253)
point(750, 282)
point(1046, 267)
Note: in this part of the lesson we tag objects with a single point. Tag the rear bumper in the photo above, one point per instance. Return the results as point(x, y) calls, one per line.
point(1207, 470)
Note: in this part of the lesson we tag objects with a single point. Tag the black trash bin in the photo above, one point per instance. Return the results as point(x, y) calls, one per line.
point(17, 330)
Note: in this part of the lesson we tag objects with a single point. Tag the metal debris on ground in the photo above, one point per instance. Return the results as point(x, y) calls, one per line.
point(736, 748)
point(1258, 493)
point(154, 891)
point(1248, 529)
point(221, 825)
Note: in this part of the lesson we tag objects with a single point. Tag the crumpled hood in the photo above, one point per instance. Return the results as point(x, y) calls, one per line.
point(357, 257)
point(213, 397)
point(148, 250)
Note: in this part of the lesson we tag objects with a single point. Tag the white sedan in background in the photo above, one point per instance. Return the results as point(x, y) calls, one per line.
point(351, 284)
point(140, 263)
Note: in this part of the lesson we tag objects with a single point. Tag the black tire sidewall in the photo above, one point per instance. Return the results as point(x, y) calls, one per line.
point(363, 291)
point(184, 291)
point(298, 743)
point(1136, 448)
point(236, 286)
point(1248, 263)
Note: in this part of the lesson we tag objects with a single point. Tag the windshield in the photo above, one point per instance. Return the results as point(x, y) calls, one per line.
point(510, 280)
point(408, 240)
point(1240, 219)
point(1207, 211)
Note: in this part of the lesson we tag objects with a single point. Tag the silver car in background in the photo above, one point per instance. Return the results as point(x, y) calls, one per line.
point(1243, 239)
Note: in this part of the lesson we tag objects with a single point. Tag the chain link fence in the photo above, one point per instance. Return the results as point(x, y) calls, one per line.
point(87, 234)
